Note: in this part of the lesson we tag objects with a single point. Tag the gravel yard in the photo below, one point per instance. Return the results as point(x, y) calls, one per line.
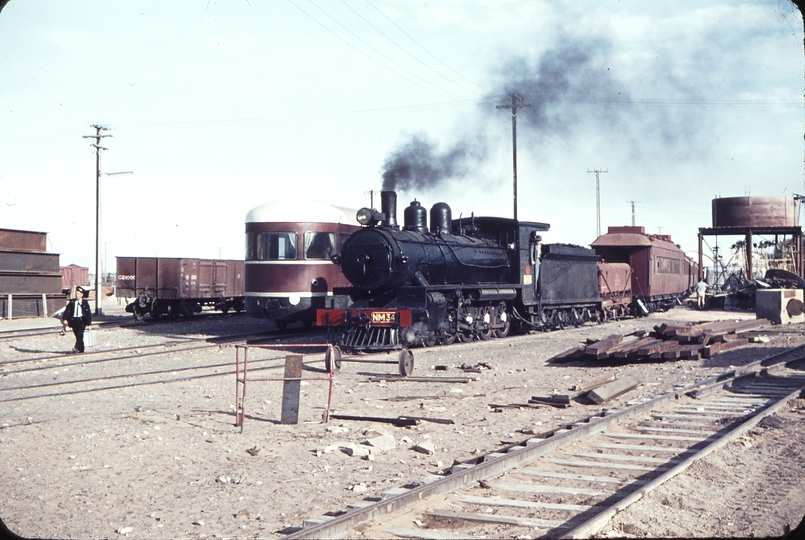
point(126, 453)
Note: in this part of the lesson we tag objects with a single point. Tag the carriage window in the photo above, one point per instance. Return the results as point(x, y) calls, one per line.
point(666, 265)
point(319, 245)
point(276, 246)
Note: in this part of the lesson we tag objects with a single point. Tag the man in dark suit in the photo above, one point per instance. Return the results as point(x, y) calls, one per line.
point(78, 316)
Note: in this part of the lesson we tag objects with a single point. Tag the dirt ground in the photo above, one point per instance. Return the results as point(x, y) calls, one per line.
point(147, 448)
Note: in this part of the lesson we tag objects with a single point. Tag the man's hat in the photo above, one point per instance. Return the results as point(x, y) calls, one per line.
point(82, 290)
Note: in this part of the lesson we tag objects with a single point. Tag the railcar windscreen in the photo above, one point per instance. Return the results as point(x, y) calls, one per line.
point(275, 246)
point(319, 245)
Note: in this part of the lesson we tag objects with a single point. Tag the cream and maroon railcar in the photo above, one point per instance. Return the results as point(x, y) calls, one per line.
point(289, 272)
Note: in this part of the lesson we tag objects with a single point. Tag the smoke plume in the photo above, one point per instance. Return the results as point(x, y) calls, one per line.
point(566, 86)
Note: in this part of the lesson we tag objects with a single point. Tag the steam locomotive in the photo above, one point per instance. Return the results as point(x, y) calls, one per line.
point(479, 278)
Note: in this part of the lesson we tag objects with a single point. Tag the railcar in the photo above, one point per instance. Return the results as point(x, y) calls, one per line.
point(460, 279)
point(289, 273)
point(173, 287)
point(661, 272)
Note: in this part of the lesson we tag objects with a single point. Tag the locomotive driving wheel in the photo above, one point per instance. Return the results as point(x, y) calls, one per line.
point(502, 317)
point(484, 324)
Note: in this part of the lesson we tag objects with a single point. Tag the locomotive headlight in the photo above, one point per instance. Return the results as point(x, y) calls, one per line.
point(294, 300)
point(365, 216)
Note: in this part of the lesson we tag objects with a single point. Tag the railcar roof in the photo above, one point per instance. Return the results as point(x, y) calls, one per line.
point(632, 240)
point(301, 211)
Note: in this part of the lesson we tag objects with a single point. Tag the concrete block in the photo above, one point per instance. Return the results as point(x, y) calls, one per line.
point(383, 442)
point(426, 447)
point(780, 306)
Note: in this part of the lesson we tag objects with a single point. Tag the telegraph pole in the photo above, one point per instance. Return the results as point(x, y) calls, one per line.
point(633, 203)
point(597, 201)
point(513, 109)
point(98, 136)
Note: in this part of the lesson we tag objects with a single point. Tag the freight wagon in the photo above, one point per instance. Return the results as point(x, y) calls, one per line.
point(171, 287)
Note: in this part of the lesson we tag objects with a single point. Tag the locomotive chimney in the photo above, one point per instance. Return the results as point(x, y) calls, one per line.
point(415, 218)
point(388, 205)
point(441, 219)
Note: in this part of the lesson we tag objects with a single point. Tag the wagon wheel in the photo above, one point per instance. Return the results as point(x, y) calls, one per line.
point(465, 336)
point(332, 359)
point(501, 316)
point(429, 340)
point(406, 362)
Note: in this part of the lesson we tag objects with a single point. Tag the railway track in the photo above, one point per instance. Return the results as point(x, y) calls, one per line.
point(571, 481)
point(37, 371)
point(117, 322)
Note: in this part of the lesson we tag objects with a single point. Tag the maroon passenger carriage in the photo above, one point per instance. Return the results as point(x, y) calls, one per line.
point(289, 272)
point(661, 272)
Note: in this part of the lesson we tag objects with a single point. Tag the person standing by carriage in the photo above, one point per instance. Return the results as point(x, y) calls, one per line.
point(78, 316)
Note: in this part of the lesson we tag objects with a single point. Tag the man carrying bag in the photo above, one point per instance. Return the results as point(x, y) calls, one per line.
point(78, 316)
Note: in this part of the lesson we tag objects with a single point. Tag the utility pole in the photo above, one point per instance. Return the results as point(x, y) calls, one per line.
point(633, 203)
point(513, 109)
point(98, 136)
point(597, 201)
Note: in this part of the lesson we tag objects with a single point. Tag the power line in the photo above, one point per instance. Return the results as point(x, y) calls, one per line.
point(436, 89)
point(427, 51)
point(403, 49)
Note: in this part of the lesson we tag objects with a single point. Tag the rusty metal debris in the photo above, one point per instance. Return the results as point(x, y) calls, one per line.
point(399, 378)
point(399, 422)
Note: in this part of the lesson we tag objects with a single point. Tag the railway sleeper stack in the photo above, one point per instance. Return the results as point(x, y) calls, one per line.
point(667, 342)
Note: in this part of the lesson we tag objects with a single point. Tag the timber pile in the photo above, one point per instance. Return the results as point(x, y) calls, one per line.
point(598, 392)
point(667, 342)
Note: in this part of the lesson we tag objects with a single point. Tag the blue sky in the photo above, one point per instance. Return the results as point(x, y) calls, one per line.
point(218, 107)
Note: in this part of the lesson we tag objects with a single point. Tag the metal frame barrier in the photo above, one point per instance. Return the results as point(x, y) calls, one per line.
point(241, 376)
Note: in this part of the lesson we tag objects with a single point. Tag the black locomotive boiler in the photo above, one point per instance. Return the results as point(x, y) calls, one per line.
point(461, 279)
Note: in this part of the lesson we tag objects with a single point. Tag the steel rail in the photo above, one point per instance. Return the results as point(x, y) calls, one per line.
point(518, 456)
point(171, 343)
point(596, 523)
point(135, 384)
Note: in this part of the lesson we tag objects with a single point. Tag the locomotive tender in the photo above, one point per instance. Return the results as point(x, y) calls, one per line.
point(464, 279)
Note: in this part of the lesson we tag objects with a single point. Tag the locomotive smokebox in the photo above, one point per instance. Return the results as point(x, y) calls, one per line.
point(415, 218)
point(440, 218)
point(388, 205)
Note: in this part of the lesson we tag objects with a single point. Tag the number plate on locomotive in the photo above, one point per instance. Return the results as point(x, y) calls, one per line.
point(384, 317)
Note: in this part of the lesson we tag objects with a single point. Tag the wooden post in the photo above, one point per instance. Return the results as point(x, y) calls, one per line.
point(44, 305)
point(10, 306)
point(290, 389)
